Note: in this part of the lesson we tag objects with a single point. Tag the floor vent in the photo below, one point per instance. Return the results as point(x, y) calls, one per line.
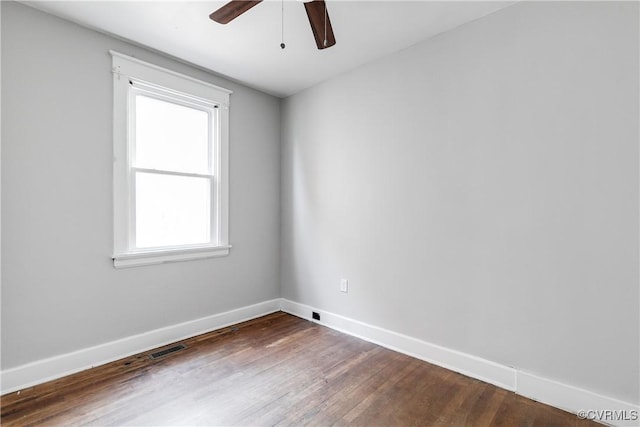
point(161, 353)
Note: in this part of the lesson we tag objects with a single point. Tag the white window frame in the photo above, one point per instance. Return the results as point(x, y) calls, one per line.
point(132, 76)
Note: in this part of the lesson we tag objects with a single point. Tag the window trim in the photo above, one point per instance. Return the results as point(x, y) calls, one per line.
point(128, 71)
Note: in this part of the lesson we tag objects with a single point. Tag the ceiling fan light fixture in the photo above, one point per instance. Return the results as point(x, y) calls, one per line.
point(316, 12)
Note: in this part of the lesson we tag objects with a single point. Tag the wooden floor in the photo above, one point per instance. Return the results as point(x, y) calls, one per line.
point(275, 370)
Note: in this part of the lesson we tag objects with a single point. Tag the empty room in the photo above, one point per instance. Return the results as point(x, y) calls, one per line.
point(359, 213)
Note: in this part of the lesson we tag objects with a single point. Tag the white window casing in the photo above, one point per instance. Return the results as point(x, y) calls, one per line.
point(131, 78)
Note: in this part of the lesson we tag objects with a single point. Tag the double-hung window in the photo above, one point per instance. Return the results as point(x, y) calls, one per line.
point(170, 165)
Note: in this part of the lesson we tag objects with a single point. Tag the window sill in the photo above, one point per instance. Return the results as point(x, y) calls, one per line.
point(134, 259)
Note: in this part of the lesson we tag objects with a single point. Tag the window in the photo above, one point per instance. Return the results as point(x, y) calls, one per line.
point(170, 173)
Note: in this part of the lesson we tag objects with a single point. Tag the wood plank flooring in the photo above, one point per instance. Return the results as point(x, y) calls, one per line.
point(275, 370)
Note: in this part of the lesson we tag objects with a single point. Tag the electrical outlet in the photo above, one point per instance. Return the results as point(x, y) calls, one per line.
point(315, 315)
point(344, 285)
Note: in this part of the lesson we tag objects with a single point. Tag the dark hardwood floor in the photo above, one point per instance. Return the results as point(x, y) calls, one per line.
point(275, 370)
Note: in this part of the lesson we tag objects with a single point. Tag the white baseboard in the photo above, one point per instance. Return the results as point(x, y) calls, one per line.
point(44, 370)
point(566, 397)
point(469, 365)
point(578, 401)
point(569, 398)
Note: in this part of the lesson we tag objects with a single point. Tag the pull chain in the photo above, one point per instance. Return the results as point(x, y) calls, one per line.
point(282, 45)
point(325, 25)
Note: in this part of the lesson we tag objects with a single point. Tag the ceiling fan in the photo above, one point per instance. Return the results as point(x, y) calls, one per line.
point(316, 11)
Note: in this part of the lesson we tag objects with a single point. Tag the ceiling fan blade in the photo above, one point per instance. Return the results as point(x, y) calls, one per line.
point(320, 23)
point(232, 10)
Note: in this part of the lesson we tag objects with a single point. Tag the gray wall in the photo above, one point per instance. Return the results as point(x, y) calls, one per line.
point(60, 291)
point(480, 191)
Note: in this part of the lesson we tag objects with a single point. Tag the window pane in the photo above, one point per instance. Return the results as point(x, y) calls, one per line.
point(170, 136)
point(171, 210)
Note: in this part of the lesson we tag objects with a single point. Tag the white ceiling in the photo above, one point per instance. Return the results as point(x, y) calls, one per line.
point(248, 49)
